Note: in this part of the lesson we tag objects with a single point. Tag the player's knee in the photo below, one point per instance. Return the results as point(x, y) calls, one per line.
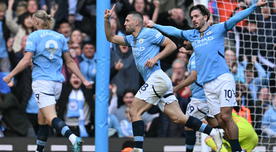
point(133, 112)
point(42, 122)
point(49, 120)
point(220, 122)
point(225, 117)
point(176, 119)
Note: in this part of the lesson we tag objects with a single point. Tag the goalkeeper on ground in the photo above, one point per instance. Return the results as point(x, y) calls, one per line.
point(248, 138)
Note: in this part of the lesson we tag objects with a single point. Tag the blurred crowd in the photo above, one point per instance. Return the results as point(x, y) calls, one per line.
point(250, 54)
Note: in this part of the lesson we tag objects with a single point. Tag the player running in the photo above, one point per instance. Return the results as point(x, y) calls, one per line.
point(45, 49)
point(212, 70)
point(198, 106)
point(157, 90)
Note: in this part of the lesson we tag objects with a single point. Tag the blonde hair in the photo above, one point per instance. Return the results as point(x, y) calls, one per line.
point(47, 20)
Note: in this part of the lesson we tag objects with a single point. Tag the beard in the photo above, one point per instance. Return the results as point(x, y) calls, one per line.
point(198, 27)
point(129, 31)
point(188, 47)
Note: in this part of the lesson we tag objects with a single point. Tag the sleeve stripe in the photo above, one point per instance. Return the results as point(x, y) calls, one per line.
point(163, 39)
point(185, 37)
point(198, 84)
point(220, 54)
point(182, 34)
point(225, 26)
point(126, 41)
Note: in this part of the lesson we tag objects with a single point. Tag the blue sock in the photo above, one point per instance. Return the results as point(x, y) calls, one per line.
point(197, 125)
point(235, 145)
point(190, 140)
point(138, 132)
point(61, 127)
point(42, 136)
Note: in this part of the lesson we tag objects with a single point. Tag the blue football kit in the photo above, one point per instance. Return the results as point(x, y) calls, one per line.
point(197, 89)
point(47, 47)
point(144, 47)
point(208, 45)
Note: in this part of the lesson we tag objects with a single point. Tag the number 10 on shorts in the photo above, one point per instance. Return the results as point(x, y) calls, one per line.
point(229, 94)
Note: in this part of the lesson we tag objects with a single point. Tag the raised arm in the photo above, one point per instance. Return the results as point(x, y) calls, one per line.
point(169, 47)
point(168, 30)
point(10, 22)
point(109, 35)
point(188, 81)
point(23, 63)
point(155, 14)
point(229, 24)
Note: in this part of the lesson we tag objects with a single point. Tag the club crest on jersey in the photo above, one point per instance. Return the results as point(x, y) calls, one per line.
point(52, 47)
point(208, 33)
point(141, 41)
point(158, 35)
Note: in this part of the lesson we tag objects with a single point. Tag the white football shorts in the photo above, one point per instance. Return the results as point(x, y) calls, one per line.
point(46, 92)
point(157, 90)
point(220, 92)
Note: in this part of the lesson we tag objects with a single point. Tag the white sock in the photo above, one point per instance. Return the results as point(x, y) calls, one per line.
point(213, 132)
point(72, 138)
point(138, 150)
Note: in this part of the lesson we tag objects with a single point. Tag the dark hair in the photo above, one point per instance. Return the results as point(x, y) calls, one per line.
point(21, 19)
point(204, 11)
point(260, 88)
point(251, 68)
point(63, 21)
point(137, 15)
point(128, 91)
point(87, 43)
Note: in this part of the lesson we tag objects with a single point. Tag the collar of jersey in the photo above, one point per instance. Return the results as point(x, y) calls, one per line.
point(204, 30)
point(139, 33)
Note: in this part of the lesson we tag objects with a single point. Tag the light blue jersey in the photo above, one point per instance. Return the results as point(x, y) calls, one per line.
point(209, 45)
point(144, 47)
point(197, 90)
point(88, 68)
point(269, 119)
point(47, 47)
point(209, 52)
